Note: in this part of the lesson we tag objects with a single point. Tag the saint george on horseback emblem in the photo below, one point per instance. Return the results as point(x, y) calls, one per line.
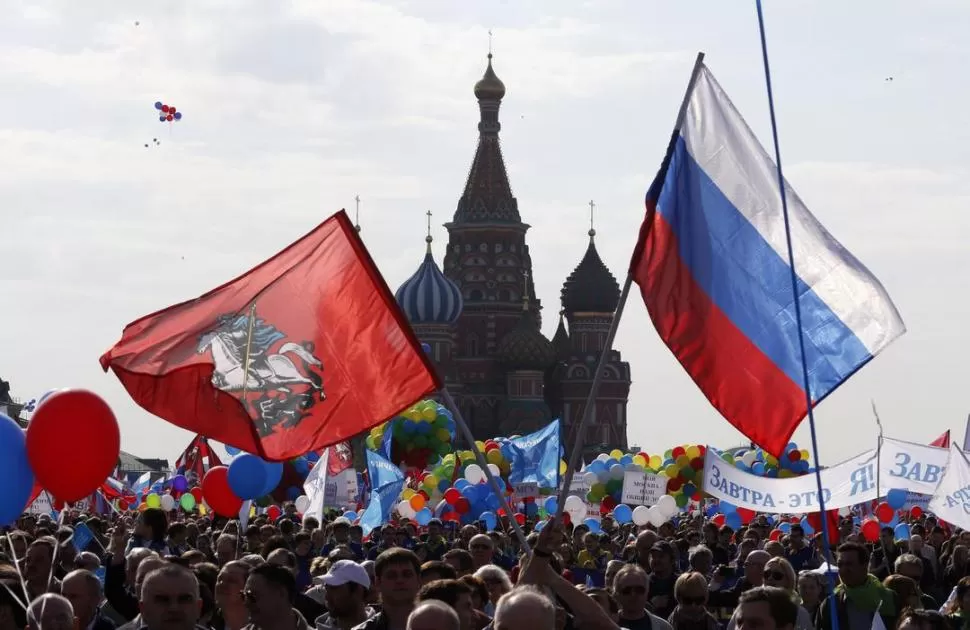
point(277, 380)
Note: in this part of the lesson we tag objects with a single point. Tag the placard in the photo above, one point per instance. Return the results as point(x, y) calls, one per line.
point(643, 488)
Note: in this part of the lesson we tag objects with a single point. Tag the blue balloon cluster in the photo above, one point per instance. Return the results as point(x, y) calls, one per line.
point(482, 503)
point(896, 499)
point(250, 477)
point(15, 470)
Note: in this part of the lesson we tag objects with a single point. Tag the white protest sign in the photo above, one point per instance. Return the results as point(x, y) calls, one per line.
point(951, 501)
point(528, 489)
point(846, 484)
point(912, 467)
point(643, 488)
point(578, 487)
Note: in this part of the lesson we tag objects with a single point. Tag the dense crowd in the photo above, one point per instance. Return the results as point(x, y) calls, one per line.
point(141, 571)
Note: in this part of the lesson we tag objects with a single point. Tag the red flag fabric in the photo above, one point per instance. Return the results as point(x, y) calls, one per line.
point(303, 351)
point(196, 460)
point(943, 441)
point(339, 458)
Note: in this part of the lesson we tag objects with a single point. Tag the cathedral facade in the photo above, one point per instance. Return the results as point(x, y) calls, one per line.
point(481, 318)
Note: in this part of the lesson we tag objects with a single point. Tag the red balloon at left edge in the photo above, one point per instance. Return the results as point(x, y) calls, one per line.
point(218, 494)
point(73, 443)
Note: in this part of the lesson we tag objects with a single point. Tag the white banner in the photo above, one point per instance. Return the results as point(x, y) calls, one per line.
point(578, 486)
point(846, 484)
point(526, 489)
point(912, 467)
point(951, 501)
point(643, 488)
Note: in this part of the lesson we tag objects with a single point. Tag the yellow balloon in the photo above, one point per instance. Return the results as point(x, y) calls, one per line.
point(153, 501)
point(431, 480)
point(443, 435)
point(693, 452)
point(480, 445)
point(429, 414)
point(682, 461)
point(655, 462)
point(805, 454)
point(671, 470)
point(640, 460)
point(616, 453)
point(562, 467)
point(771, 460)
point(448, 459)
point(784, 473)
point(407, 493)
point(494, 456)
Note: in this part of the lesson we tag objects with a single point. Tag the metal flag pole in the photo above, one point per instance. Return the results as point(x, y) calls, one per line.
point(806, 383)
point(878, 450)
point(467, 434)
point(249, 346)
point(608, 345)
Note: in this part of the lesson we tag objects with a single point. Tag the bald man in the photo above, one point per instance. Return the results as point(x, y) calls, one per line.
point(50, 612)
point(433, 615)
point(525, 608)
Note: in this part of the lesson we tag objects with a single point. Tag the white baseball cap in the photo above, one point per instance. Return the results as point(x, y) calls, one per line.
point(344, 571)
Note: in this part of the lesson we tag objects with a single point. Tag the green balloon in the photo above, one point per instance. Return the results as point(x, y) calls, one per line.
point(187, 502)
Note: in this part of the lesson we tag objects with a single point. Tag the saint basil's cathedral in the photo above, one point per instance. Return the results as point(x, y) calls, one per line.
point(481, 318)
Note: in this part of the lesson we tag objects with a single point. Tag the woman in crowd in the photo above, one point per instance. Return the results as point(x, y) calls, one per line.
point(812, 590)
point(958, 610)
point(690, 613)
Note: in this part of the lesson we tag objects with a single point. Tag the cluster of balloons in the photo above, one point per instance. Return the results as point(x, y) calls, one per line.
point(794, 462)
point(69, 448)
point(167, 113)
point(576, 509)
point(247, 478)
point(419, 435)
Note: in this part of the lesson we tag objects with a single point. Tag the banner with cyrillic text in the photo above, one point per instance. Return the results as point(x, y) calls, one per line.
point(643, 488)
point(853, 481)
point(951, 501)
point(911, 467)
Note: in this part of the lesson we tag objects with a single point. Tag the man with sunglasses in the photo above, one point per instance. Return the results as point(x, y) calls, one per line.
point(269, 595)
point(631, 589)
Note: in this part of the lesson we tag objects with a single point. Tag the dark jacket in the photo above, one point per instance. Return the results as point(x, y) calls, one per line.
point(824, 620)
point(116, 591)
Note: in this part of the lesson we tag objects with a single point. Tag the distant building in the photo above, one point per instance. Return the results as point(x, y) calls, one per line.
point(482, 320)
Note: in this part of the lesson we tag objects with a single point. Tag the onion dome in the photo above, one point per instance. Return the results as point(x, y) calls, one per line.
point(524, 347)
point(590, 288)
point(429, 297)
point(489, 87)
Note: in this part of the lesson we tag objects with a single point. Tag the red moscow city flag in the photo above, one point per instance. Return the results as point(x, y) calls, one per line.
point(306, 350)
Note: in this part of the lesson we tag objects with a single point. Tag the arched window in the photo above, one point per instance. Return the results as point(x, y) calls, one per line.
point(583, 343)
point(471, 346)
point(475, 295)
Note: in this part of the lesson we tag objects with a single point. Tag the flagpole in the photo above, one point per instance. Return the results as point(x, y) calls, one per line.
point(467, 434)
point(806, 383)
point(878, 450)
point(573, 462)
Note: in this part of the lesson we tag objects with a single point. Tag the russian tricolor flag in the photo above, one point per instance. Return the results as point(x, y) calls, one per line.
point(712, 266)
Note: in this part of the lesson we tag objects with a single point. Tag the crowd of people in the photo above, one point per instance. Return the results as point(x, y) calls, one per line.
point(154, 571)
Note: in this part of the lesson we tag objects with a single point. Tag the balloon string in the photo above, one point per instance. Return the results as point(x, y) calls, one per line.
point(16, 565)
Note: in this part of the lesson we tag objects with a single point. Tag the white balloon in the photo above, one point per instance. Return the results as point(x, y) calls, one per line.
point(667, 506)
point(404, 509)
point(574, 503)
point(302, 503)
point(748, 458)
point(168, 502)
point(590, 478)
point(616, 471)
point(577, 515)
point(474, 474)
point(641, 515)
point(602, 457)
point(655, 516)
point(494, 470)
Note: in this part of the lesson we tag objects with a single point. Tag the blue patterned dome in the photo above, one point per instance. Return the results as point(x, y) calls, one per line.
point(428, 297)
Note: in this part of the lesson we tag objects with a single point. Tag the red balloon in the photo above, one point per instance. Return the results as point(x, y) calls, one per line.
point(746, 515)
point(520, 518)
point(884, 513)
point(795, 455)
point(775, 534)
point(215, 489)
point(73, 443)
point(500, 512)
point(197, 493)
point(870, 529)
point(916, 511)
point(678, 451)
point(122, 505)
point(170, 118)
point(462, 506)
point(273, 512)
point(171, 109)
point(165, 108)
point(718, 520)
point(451, 516)
point(452, 495)
point(697, 463)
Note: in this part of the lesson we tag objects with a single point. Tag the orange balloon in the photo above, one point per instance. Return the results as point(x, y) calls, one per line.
point(417, 502)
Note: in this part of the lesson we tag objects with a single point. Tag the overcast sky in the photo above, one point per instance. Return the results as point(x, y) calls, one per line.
point(293, 107)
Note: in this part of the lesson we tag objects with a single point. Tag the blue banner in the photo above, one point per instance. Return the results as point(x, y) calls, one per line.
point(535, 457)
point(387, 481)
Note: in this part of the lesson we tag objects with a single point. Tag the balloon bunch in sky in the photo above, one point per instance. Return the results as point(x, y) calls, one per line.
point(167, 113)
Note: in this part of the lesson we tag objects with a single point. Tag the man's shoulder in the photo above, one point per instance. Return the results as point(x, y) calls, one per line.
point(377, 622)
point(659, 623)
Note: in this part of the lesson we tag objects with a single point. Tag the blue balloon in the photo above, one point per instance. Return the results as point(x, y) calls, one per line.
point(350, 516)
point(161, 119)
point(489, 519)
point(902, 531)
point(461, 484)
point(313, 456)
point(232, 450)
point(622, 513)
point(530, 509)
point(784, 527)
point(180, 483)
point(423, 516)
point(178, 116)
point(551, 505)
point(758, 468)
point(273, 472)
point(18, 477)
point(426, 347)
point(538, 527)
point(733, 520)
point(726, 508)
point(896, 499)
point(593, 525)
point(247, 477)
point(158, 104)
point(293, 492)
point(809, 530)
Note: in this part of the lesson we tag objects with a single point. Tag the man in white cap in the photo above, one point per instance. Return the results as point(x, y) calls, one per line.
point(345, 590)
